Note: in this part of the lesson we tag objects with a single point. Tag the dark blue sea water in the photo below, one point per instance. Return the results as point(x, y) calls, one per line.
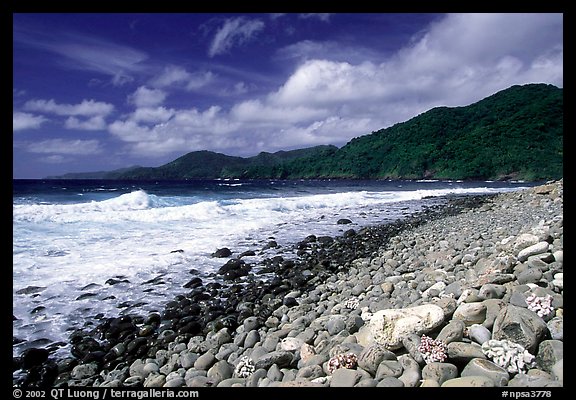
point(71, 236)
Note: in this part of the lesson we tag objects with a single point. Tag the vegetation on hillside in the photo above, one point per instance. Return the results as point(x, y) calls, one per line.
point(516, 133)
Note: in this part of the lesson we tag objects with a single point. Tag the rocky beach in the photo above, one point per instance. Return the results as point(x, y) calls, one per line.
point(466, 294)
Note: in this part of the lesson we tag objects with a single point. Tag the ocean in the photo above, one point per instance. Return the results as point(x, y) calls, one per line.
point(87, 248)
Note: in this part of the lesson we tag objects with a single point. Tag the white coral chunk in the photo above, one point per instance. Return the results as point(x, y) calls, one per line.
point(509, 355)
point(540, 305)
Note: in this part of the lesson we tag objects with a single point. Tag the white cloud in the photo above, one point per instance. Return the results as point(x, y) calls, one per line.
point(86, 108)
point(54, 159)
point(175, 76)
point(87, 53)
point(144, 97)
point(256, 111)
point(199, 80)
point(131, 131)
point(170, 75)
point(458, 60)
point(235, 32)
point(152, 115)
point(95, 123)
point(22, 120)
point(62, 146)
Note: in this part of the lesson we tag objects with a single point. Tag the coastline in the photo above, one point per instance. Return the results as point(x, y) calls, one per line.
point(286, 331)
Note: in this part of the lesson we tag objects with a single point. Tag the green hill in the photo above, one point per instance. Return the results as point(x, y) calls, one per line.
point(516, 133)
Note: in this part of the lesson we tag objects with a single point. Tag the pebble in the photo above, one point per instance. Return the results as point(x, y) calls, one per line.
point(462, 279)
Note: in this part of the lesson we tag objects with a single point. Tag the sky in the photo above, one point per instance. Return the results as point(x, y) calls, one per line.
point(95, 92)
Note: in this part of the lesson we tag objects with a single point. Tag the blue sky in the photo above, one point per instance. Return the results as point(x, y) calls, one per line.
point(105, 91)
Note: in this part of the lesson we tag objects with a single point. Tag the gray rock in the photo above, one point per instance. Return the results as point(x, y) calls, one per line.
point(538, 248)
point(439, 372)
point(316, 359)
point(226, 350)
point(453, 332)
point(205, 361)
point(557, 370)
point(470, 313)
point(390, 381)
point(411, 343)
point(252, 338)
point(220, 371)
point(447, 304)
point(310, 372)
point(84, 371)
point(176, 382)
point(199, 381)
point(529, 275)
point(257, 352)
point(155, 380)
point(429, 383)
point(250, 323)
point(370, 357)
point(493, 308)
point(344, 377)
point(389, 368)
point(411, 373)
point(270, 342)
point(479, 333)
point(550, 352)
point(137, 369)
point(280, 358)
point(289, 374)
point(133, 381)
point(556, 328)
point(525, 380)
point(520, 326)
point(335, 325)
point(469, 381)
point(464, 352)
point(492, 291)
point(232, 382)
point(367, 382)
point(525, 240)
point(187, 359)
point(291, 344)
point(559, 256)
point(274, 373)
point(191, 373)
point(454, 288)
point(255, 377)
point(480, 367)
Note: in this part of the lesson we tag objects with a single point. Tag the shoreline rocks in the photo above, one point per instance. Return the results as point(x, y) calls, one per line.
point(478, 266)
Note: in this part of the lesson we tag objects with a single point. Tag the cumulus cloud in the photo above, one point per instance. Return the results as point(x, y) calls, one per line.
point(144, 97)
point(62, 146)
point(22, 121)
point(458, 60)
point(175, 76)
point(87, 108)
point(190, 129)
point(96, 123)
point(152, 115)
point(235, 32)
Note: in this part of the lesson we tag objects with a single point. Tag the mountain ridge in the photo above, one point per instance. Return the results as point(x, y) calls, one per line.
point(516, 133)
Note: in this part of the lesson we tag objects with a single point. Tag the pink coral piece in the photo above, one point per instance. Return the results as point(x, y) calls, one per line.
point(432, 350)
point(349, 360)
